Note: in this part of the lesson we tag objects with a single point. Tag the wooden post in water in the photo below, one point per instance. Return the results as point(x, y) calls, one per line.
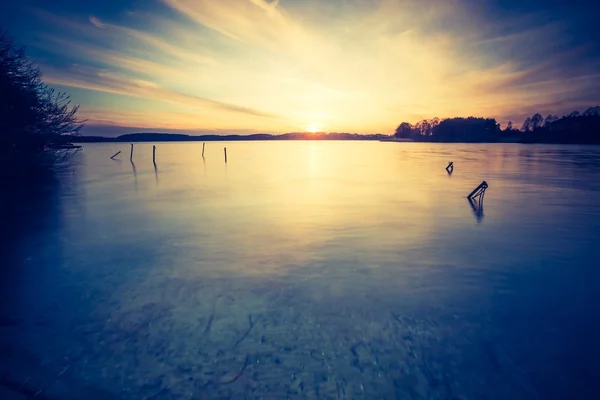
point(154, 154)
point(116, 154)
point(476, 200)
point(479, 190)
point(225, 150)
point(131, 154)
point(203, 144)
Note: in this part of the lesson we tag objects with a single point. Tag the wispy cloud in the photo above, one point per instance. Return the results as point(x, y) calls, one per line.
point(345, 65)
point(110, 82)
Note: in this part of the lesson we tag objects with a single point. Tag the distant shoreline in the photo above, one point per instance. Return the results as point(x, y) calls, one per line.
point(400, 140)
point(169, 137)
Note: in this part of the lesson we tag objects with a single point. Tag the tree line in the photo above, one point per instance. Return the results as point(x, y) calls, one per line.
point(574, 127)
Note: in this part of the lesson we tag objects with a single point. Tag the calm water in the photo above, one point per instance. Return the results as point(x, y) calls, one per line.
point(310, 270)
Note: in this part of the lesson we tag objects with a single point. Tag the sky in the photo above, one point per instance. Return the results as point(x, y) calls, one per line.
point(363, 66)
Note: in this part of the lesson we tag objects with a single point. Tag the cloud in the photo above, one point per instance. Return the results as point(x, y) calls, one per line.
point(157, 43)
point(96, 22)
point(266, 5)
point(110, 82)
point(346, 65)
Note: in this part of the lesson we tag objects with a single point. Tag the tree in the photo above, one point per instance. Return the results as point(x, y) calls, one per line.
point(33, 117)
point(526, 125)
point(549, 120)
point(591, 111)
point(467, 130)
point(404, 130)
point(572, 128)
point(425, 127)
point(536, 121)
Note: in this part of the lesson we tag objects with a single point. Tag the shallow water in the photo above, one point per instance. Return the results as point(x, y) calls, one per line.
point(310, 270)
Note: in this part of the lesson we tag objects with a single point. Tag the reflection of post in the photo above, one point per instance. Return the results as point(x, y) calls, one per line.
point(131, 154)
point(134, 175)
point(225, 150)
point(154, 155)
point(203, 144)
point(477, 208)
point(156, 174)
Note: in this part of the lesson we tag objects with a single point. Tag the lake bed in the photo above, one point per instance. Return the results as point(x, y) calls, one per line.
point(311, 270)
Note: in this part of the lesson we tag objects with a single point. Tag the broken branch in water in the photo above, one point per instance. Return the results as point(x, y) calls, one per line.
point(398, 318)
point(211, 317)
point(247, 332)
point(239, 375)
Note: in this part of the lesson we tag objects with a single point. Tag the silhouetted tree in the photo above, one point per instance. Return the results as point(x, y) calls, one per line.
point(536, 121)
point(591, 111)
point(572, 128)
point(404, 130)
point(33, 116)
point(422, 127)
point(425, 127)
point(549, 120)
point(526, 124)
point(467, 130)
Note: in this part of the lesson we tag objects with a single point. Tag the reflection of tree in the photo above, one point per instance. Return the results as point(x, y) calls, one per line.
point(31, 213)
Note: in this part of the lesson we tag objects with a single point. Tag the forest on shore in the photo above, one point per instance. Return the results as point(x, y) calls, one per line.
point(573, 128)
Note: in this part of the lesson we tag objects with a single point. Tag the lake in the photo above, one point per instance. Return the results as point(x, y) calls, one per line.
point(308, 270)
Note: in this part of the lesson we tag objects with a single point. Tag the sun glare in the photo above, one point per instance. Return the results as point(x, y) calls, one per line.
point(313, 128)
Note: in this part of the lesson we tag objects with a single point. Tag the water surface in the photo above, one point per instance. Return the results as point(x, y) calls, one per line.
point(310, 270)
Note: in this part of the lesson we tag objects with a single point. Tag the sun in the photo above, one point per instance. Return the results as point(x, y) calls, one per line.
point(314, 128)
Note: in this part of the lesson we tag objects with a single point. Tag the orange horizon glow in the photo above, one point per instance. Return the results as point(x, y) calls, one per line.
point(314, 128)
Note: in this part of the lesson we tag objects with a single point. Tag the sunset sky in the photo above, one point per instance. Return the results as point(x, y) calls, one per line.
point(246, 66)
